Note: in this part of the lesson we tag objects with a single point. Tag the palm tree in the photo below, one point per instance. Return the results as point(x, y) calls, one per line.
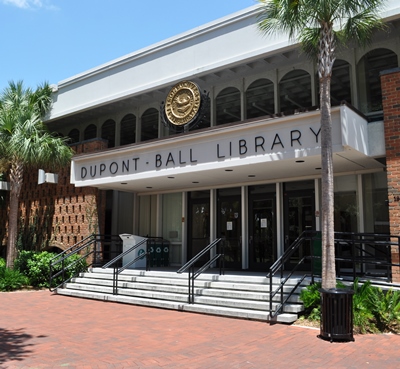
point(25, 143)
point(321, 25)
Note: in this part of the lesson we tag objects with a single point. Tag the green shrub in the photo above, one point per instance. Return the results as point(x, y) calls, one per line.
point(385, 307)
point(311, 299)
point(11, 280)
point(21, 262)
point(373, 309)
point(36, 266)
point(363, 318)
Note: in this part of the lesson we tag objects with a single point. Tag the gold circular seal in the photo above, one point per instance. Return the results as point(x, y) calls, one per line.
point(182, 103)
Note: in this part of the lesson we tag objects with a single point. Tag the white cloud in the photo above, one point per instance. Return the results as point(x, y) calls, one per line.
point(25, 4)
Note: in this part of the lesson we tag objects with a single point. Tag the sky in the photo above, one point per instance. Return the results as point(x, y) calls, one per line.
point(51, 40)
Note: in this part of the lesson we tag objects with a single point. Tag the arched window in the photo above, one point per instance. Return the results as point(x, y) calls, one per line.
point(340, 83)
point(260, 99)
point(74, 136)
point(90, 132)
point(128, 130)
point(369, 82)
point(295, 91)
point(149, 125)
point(108, 132)
point(228, 107)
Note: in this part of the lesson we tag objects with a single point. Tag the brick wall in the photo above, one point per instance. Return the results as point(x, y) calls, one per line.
point(58, 215)
point(390, 81)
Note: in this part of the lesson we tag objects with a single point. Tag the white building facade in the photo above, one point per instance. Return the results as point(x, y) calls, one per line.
point(250, 171)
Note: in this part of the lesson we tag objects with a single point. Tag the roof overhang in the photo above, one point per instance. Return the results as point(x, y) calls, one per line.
point(257, 151)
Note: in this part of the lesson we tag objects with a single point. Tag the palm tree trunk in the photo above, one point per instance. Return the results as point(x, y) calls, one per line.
point(326, 60)
point(16, 180)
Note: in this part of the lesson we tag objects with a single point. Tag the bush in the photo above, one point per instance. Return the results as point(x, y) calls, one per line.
point(373, 309)
point(11, 280)
point(36, 266)
point(363, 318)
point(385, 307)
point(311, 300)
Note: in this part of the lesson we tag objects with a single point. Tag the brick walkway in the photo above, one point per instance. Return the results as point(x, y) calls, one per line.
point(43, 330)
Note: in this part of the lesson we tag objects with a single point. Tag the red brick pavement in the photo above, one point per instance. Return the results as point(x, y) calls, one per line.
point(43, 330)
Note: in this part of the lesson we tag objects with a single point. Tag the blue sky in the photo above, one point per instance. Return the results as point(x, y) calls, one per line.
point(51, 40)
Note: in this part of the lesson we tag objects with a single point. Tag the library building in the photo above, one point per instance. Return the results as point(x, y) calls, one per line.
point(215, 134)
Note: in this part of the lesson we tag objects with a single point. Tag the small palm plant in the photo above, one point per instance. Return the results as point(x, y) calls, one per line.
point(385, 306)
point(362, 314)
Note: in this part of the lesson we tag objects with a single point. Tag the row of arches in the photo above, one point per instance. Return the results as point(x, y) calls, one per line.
point(296, 90)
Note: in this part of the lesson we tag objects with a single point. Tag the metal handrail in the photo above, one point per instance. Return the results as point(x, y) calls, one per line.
point(189, 266)
point(117, 271)
point(63, 258)
point(357, 241)
point(279, 266)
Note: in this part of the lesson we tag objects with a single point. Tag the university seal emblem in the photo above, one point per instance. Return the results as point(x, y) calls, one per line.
point(182, 104)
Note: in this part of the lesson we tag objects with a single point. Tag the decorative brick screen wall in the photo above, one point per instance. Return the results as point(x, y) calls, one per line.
point(58, 215)
point(390, 81)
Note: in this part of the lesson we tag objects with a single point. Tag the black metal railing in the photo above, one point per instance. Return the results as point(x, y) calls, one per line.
point(355, 251)
point(93, 250)
point(115, 262)
point(299, 246)
point(190, 265)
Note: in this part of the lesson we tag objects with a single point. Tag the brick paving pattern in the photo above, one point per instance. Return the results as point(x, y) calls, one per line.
point(44, 330)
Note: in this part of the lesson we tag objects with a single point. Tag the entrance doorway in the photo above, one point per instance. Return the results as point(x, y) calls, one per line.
point(229, 225)
point(262, 227)
point(299, 216)
point(198, 223)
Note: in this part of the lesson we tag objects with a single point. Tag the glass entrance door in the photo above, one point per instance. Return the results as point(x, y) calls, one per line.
point(229, 225)
point(198, 223)
point(299, 215)
point(262, 227)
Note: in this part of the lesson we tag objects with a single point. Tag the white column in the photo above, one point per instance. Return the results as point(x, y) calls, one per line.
point(245, 227)
point(279, 220)
point(184, 227)
point(361, 225)
point(317, 205)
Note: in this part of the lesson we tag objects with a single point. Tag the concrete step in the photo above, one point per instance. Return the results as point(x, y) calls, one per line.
point(182, 297)
point(240, 296)
point(194, 308)
point(201, 289)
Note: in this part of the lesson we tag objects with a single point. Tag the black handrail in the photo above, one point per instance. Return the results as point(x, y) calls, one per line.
point(84, 248)
point(190, 265)
point(279, 265)
point(358, 243)
point(117, 271)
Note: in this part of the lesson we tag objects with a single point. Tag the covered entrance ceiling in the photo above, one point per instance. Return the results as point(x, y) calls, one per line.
point(250, 152)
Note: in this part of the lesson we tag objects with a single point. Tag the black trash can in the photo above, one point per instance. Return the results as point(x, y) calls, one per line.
point(336, 314)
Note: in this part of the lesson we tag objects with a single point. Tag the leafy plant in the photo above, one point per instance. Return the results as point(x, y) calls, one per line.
point(374, 310)
point(11, 280)
point(36, 266)
point(362, 315)
point(385, 306)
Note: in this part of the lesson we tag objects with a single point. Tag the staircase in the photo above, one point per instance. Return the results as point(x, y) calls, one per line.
point(232, 295)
